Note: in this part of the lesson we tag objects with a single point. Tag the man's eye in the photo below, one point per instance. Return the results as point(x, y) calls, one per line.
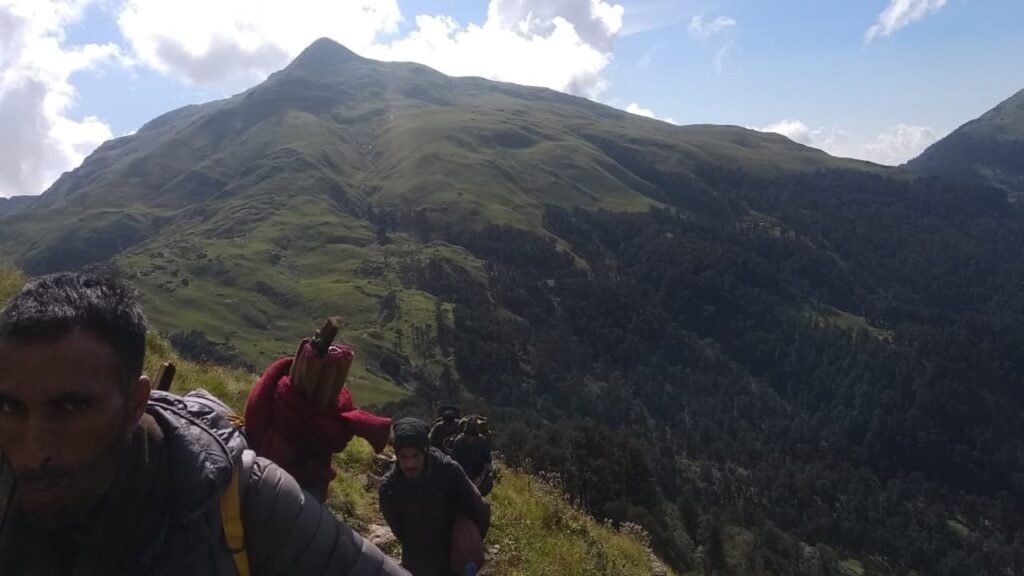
point(9, 408)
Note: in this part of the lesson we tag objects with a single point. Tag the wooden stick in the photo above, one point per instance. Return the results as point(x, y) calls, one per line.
point(325, 336)
point(335, 384)
point(295, 362)
point(165, 376)
point(323, 388)
point(307, 372)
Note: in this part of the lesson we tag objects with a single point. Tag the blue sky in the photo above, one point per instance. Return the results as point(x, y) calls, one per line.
point(873, 79)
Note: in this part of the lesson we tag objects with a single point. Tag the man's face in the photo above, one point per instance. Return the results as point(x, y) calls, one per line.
point(64, 423)
point(410, 462)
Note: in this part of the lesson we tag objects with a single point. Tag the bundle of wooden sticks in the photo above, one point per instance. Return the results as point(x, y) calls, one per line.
point(321, 367)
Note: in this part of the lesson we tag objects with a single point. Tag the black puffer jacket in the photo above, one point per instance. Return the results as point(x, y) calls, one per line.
point(473, 453)
point(421, 512)
point(162, 517)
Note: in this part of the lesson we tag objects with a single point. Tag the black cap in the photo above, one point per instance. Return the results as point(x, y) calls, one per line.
point(411, 433)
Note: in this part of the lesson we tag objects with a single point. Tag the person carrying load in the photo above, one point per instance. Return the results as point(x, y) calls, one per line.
point(112, 477)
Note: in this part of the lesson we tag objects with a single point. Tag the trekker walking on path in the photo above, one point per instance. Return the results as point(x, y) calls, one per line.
point(472, 450)
point(447, 426)
point(422, 496)
point(113, 479)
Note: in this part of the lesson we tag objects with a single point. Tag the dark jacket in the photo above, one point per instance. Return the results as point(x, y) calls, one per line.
point(421, 512)
point(441, 432)
point(473, 453)
point(162, 517)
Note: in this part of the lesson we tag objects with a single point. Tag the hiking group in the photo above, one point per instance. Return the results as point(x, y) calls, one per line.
point(466, 441)
point(108, 476)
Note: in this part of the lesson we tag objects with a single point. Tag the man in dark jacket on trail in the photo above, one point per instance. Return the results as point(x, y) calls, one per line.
point(109, 482)
point(446, 427)
point(472, 451)
point(420, 497)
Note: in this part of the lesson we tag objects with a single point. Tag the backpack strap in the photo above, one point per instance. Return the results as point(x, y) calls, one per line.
point(231, 518)
point(231, 506)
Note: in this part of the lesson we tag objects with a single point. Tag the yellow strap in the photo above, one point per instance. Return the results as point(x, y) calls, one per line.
point(231, 517)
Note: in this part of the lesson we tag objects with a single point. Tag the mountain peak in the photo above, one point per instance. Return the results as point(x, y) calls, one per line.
point(986, 150)
point(1012, 106)
point(323, 54)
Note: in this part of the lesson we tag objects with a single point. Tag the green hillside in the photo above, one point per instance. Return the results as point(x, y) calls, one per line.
point(988, 149)
point(15, 204)
point(311, 194)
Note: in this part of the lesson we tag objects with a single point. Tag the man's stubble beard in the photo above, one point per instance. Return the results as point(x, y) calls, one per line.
point(84, 488)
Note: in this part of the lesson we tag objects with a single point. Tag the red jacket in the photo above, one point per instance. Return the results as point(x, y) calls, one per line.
point(283, 426)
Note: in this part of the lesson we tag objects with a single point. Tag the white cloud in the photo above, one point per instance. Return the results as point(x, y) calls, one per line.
point(900, 143)
point(795, 130)
point(634, 108)
point(893, 146)
point(231, 43)
point(703, 30)
point(898, 14)
point(40, 139)
point(532, 51)
point(596, 22)
point(561, 44)
point(719, 60)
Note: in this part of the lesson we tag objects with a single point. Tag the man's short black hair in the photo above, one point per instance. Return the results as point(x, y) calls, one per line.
point(51, 307)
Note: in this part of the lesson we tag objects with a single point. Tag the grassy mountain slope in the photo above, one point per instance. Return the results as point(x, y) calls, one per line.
point(16, 204)
point(241, 216)
point(988, 149)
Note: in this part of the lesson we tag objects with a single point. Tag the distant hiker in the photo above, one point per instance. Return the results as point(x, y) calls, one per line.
point(445, 427)
point(112, 479)
point(422, 497)
point(472, 450)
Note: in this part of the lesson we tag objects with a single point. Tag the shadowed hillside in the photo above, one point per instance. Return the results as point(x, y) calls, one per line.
point(988, 149)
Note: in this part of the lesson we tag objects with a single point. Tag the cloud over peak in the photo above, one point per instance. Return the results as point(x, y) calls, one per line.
point(560, 44)
point(565, 45)
point(236, 42)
